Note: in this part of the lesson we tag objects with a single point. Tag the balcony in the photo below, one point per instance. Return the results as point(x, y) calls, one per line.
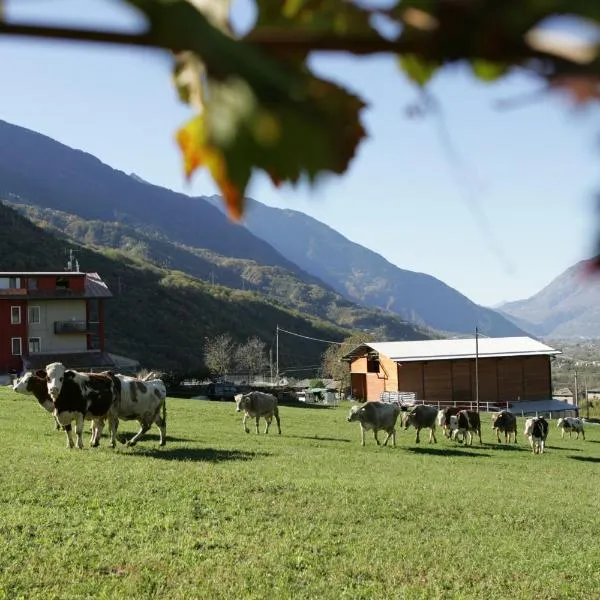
point(65, 327)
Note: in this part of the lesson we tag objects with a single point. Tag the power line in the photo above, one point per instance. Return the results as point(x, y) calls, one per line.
point(306, 337)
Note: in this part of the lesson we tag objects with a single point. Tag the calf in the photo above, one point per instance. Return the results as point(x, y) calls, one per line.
point(536, 429)
point(464, 423)
point(571, 424)
point(420, 417)
point(507, 422)
point(376, 416)
point(257, 405)
point(30, 384)
point(79, 396)
point(143, 401)
point(443, 418)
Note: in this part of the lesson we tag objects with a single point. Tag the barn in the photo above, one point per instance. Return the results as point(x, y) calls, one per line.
point(493, 370)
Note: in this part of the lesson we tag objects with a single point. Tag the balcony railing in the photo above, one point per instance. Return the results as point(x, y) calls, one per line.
point(61, 327)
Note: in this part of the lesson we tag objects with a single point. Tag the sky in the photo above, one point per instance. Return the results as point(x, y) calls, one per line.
point(497, 215)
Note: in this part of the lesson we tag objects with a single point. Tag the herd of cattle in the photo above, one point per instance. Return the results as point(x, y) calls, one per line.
point(457, 424)
point(72, 396)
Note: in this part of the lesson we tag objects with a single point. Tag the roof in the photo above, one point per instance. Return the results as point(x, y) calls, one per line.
point(71, 360)
point(39, 273)
point(95, 287)
point(448, 349)
point(539, 406)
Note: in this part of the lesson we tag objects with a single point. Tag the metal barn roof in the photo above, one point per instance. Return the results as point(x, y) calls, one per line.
point(540, 406)
point(456, 348)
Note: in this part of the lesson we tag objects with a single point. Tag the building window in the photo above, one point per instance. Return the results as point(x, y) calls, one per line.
point(32, 283)
point(62, 283)
point(14, 283)
point(373, 366)
point(35, 345)
point(34, 314)
point(16, 346)
point(15, 315)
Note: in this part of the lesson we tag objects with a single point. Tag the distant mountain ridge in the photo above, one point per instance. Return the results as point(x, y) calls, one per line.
point(568, 307)
point(366, 277)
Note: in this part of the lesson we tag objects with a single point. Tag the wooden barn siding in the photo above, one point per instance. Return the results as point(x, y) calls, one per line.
point(385, 380)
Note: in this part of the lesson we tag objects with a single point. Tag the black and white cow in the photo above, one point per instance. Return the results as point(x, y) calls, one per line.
point(79, 396)
point(376, 416)
point(507, 422)
point(463, 424)
point(536, 430)
point(144, 401)
point(31, 384)
point(571, 424)
point(443, 418)
point(420, 417)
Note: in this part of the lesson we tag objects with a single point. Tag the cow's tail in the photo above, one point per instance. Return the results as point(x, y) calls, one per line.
point(164, 411)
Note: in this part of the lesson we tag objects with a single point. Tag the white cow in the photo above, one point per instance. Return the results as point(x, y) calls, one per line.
point(571, 424)
point(257, 405)
point(536, 429)
point(376, 416)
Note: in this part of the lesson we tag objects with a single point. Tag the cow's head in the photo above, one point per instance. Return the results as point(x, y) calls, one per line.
point(240, 402)
point(22, 386)
point(407, 419)
point(55, 373)
point(354, 414)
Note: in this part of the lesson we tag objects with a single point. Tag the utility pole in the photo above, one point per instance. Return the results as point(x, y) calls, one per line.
point(277, 355)
point(576, 389)
point(477, 369)
point(271, 363)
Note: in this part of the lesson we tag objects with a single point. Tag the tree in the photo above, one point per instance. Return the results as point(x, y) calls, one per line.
point(219, 354)
point(260, 108)
point(252, 356)
point(332, 365)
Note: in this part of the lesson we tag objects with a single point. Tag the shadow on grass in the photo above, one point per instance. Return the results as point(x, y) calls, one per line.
point(446, 452)
point(506, 447)
point(591, 459)
point(320, 438)
point(198, 454)
point(563, 449)
point(149, 437)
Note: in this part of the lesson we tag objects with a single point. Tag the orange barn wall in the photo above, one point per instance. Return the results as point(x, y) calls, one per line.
point(500, 380)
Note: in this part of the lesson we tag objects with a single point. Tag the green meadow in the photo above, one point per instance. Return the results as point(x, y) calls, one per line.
point(220, 514)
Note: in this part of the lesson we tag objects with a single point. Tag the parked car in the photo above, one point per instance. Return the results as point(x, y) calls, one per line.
point(221, 391)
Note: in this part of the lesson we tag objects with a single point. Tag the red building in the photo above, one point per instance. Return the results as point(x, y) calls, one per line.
point(52, 316)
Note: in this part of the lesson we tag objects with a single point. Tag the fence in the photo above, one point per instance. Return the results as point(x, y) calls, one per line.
point(410, 399)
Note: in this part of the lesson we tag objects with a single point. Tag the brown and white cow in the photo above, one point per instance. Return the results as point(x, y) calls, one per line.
point(443, 418)
point(571, 424)
point(79, 396)
point(144, 401)
point(257, 405)
point(507, 422)
point(31, 384)
point(463, 424)
point(376, 416)
point(536, 429)
point(420, 417)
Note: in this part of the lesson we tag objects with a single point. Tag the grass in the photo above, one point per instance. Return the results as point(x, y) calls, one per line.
point(220, 514)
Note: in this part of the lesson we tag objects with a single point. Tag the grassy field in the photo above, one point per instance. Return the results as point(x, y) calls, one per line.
point(311, 514)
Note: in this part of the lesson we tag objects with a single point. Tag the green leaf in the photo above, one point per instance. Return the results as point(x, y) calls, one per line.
point(417, 69)
point(258, 112)
point(489, 71)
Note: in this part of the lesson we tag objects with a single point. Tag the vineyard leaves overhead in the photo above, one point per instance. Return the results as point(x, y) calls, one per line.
point(259, 108)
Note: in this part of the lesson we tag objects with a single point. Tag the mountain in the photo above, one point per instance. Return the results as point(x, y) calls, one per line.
point(568, 307)
point(366, 277)
point(75, 196)
point(159, 316)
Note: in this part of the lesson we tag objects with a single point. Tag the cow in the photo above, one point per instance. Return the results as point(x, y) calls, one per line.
point(257, 405)
point(78, 396)
point(536, 429)
point(420, 417)
point(144, 401)
point(376, 416)
point(507, 422)
point(571, 424)
point(31, 384)
point(443, 418)
point(464, 423)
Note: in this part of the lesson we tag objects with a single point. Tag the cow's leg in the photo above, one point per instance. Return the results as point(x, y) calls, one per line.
point(79, 423)
point(582, 433)
point(389, 435)
point(144, 426)
point(479, 432)
point(432, 435)
point(69, 434)
point(417, 440)
point(113, 425)
point(161, 423)
point(257, 420)
point(244, 423)
point(375, 436)
point(277, 420)
point(267, 424)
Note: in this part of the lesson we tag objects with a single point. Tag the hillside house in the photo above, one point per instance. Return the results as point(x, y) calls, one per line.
point(52, 316)
point(509, 369)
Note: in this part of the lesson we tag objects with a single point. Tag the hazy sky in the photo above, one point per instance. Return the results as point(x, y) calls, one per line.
point(497, 218)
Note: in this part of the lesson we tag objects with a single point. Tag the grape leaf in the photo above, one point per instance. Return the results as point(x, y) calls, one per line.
point(257, 112)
